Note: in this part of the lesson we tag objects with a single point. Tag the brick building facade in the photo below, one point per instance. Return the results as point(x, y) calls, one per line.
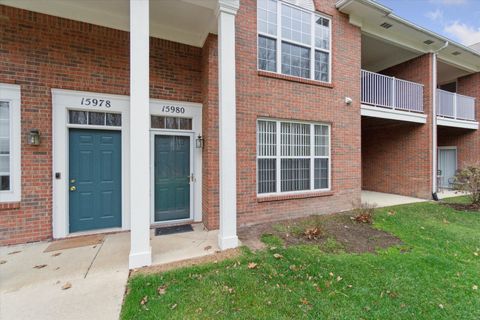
point(41, 52)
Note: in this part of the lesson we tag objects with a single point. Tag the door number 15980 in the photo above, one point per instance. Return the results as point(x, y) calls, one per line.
point(173, 109)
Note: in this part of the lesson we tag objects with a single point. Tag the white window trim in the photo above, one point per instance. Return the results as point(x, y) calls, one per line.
point(11, 94)
point(278, 158)
point(278, 41)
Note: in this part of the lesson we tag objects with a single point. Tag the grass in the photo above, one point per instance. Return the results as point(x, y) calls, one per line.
point(432, 275)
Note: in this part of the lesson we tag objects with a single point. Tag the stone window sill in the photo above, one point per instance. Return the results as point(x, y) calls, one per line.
point(294, 79)
point(305, 195)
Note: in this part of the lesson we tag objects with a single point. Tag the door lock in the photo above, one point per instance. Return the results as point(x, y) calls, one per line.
point(191, 178)
point(73, 188)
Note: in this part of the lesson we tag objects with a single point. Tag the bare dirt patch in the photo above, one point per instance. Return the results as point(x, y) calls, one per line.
point(352, 236)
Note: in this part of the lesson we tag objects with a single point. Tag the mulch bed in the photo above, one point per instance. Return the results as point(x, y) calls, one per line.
point(353, 236)
point(463, 206)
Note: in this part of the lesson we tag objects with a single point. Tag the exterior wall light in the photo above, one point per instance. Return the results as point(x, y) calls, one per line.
point(348, 100)
point(199, 142)
point(34, 137)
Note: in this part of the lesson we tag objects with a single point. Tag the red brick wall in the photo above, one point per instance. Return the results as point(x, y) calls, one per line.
point(45, 52)
point(398, 159)
point(466, 141)
point(210, 200)
point(41, 52)
point(259, 95)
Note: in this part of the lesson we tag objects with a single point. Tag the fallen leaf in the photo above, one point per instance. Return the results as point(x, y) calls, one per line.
point(56, 254)
point(391, 213)
point(66, 286)
point(475, 254)
point(144, 300)
point(3, 261)
point(40, 266)
point(252, 265)
point(173, 306)
point(277, 256)
point(339, 278)
point(162, 289)
point(331, 274)
point(349, 286)
point(423, 228)
point(207, 248)
point(441, 306)
point(474, 287)
point(14, 252)
point(304, 301)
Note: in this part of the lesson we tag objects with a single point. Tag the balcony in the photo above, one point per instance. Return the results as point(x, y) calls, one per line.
point(391, 98)
point(455, 110)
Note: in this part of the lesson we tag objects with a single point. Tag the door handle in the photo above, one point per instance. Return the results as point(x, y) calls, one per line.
point(191, 178)
point(73, 188)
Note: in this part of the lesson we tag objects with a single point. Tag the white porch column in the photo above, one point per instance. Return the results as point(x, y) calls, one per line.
point(226, 12)
point(140, 249)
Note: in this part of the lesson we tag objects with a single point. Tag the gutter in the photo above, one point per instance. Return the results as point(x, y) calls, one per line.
point(434, 122)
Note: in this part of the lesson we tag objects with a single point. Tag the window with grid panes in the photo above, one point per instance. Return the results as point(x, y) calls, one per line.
point(292, 156)
point(293, 41)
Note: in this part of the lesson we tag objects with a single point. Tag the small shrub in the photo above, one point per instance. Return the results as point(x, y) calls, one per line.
point(364, 213)
point(468, 180)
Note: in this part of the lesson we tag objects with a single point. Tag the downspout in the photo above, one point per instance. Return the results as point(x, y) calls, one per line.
point(434, 122)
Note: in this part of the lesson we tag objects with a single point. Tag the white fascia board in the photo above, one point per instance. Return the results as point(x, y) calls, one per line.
point(384, 113)
point(455, 123)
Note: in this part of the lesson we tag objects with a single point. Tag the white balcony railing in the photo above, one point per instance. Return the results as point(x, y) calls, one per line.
point(455, 106)
point(389, 92)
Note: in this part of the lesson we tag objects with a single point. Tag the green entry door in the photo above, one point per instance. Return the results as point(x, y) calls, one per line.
point(95, 200)
point(171, 177)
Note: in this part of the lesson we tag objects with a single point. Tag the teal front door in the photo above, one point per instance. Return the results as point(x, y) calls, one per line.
point(171, 177)
point(95, 192)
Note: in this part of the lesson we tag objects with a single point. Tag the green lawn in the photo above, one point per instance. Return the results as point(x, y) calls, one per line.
point(434, 274)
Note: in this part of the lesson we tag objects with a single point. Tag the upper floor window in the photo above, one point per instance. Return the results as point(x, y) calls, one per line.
point(9, 143)
point(293, 41)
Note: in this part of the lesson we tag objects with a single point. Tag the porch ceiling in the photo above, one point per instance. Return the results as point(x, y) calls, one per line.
point(448, 73)
point(184, 21)
point(378, 54)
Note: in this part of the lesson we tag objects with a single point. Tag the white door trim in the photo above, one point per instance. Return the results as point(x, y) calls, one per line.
point(447, 148)
point(62, 101)
point(154, 133)
point(194, 111)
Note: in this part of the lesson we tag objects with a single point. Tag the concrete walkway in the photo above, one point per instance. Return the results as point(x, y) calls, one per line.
point(97, 274)
point(381, 199)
